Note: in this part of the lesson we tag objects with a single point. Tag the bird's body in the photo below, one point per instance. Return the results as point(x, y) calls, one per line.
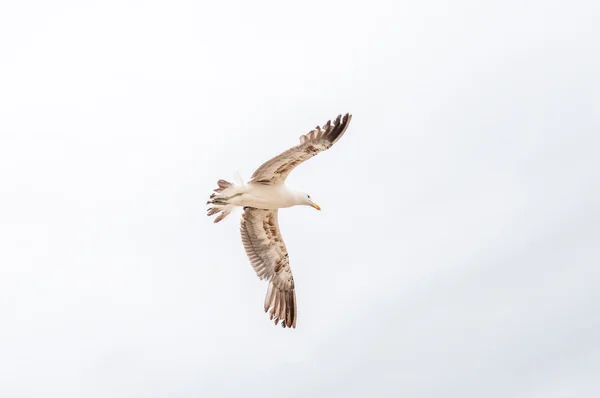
point(261, 198)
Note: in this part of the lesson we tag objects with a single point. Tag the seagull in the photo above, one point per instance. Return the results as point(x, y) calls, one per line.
point(260, 199)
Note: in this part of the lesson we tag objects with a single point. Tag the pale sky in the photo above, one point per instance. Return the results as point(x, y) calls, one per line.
point(458, 250)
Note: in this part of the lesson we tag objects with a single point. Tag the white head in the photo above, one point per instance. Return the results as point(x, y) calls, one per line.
point(304, 199)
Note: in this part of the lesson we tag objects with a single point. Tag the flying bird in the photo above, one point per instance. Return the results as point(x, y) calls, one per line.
point(261, 198)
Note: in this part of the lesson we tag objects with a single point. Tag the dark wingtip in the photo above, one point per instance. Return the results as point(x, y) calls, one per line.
point(339, 128)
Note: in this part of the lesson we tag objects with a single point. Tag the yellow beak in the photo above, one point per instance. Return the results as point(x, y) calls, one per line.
point(316, 206)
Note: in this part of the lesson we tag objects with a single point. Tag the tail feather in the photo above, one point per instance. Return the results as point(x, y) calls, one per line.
point(223, 185)
point(219, 203)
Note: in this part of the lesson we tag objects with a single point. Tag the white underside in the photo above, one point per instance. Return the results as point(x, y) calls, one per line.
point(261, 196)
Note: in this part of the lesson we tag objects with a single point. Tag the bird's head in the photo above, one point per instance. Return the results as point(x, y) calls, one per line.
point(308, 202)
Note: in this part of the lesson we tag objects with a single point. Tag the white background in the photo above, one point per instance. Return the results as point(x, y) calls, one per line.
point(458, 250)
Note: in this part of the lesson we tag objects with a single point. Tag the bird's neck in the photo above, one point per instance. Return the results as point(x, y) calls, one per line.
point(296, 196)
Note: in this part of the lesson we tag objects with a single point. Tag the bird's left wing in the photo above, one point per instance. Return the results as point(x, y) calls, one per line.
point(276, 170)
point(269, 258)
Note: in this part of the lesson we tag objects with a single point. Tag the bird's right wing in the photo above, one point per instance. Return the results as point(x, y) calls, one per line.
point(269, 258)
point(276, 170)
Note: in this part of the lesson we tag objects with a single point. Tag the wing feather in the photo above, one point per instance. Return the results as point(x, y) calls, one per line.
point(276, 170)
point(269, 258)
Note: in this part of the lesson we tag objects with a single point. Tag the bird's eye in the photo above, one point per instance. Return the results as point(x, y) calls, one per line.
point(308, 196)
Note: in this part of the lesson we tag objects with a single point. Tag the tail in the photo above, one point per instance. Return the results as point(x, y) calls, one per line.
point(218, 201)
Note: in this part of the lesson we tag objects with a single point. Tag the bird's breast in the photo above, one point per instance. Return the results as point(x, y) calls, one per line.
point(267, 197)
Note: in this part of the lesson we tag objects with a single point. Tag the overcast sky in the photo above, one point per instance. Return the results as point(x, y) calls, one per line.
point(458, 250)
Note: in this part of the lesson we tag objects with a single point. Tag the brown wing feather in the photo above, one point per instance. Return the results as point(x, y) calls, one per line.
point(269, 258)
point(276, 170)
